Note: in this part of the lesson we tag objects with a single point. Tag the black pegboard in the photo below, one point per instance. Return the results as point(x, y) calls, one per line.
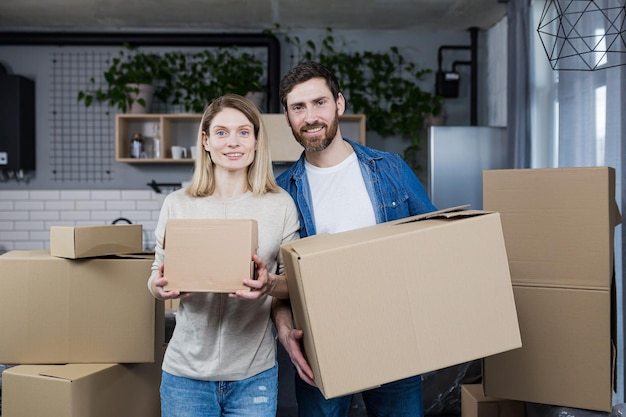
point(82, 138)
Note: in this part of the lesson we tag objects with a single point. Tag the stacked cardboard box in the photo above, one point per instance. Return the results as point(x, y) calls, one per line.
point(401, 298)
point(474, 403)
point(86, 334)
point(558, 226)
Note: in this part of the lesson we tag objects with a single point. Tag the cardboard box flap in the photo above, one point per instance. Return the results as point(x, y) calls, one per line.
point(72, 372)
point(451, 213)
point(30, 370)
point(327, 242)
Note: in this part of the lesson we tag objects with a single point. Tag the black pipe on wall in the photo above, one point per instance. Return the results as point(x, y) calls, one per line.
point(473, 62)
point(474, 77)
point(170, 39)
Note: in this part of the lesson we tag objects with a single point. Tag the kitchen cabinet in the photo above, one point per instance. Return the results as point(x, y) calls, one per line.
point(181, 129)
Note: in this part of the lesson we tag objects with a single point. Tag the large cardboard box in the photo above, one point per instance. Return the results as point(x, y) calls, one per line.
point(209, 255)
point(558, 226)
point(87, 390)
point(474, 403)
point(82, 390)
point(401, 298)
point(88, 241)
point(55, 310)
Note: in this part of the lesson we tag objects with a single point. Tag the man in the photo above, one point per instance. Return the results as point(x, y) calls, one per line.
point(340, 185)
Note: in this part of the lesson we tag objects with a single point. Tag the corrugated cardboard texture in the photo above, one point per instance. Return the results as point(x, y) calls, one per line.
point(558, 226)
point(474, 403)
point(558, 223)
point(55, 310)
point(89, 241)
point(402, 298)
point(566, 357)
point(209, 255)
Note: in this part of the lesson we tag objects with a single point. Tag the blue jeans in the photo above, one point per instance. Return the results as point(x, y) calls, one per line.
point(397, 399)
point(252, 397)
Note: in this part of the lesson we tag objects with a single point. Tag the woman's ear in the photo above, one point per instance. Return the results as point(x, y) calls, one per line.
point(205, 141)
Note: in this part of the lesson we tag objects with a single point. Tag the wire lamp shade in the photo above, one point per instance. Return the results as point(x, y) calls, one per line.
point(584, 35)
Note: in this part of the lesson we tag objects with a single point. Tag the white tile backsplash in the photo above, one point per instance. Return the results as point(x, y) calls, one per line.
point(26, 216)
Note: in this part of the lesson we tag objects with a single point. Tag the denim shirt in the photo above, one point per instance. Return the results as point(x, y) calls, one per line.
point(393, 188)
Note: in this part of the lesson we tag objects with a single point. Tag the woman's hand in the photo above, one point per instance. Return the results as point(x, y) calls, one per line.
point(158, 287)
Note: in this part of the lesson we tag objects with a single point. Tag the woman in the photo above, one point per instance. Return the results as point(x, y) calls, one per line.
point(221, 358)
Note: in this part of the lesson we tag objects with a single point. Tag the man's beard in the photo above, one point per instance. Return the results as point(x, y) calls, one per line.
point(317, 143)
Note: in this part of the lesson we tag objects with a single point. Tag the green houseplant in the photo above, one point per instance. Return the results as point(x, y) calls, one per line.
point(384, 86)
point(197, 78)
point(128, 70)
point(188, 79)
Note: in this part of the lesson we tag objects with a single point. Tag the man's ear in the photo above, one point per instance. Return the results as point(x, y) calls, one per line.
point(341, 104)
point(287, 117)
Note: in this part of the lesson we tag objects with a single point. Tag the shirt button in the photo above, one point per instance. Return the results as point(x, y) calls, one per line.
point(393, 204)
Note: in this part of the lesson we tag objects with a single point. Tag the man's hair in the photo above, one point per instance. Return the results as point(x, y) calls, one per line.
point(304, 72)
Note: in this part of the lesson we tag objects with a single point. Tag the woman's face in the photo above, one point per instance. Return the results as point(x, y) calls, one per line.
point(230, 140)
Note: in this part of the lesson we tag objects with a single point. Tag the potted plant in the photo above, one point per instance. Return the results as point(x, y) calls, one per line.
point(384, 86)
point(198, 78)
point(126, 78)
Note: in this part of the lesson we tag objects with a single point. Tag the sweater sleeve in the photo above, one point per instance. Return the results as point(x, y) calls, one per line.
point(159, 253)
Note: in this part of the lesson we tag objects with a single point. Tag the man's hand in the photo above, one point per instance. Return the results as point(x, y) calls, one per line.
point(291, 341)
point(264, 284)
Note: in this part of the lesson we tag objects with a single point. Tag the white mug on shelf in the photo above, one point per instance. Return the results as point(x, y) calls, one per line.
point(179, 152)
point(193, 152)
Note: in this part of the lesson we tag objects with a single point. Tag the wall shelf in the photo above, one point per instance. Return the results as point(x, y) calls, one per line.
point(182, 130)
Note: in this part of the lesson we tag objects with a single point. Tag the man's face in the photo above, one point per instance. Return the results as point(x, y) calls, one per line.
point(313, 114)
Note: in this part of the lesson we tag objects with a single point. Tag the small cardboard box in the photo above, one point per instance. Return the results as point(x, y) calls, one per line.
point(474, 403)
point(209, 255)
point(89, 241)
point(558, 226)
point(55, 310)
point(401, 298)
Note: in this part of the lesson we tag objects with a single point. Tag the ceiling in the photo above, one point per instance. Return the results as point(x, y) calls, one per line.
point(248, 15)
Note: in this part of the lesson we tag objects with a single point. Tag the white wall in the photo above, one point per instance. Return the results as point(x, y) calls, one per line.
point(26, 216)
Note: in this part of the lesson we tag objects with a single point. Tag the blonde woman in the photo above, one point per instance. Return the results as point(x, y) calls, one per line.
point(221, 359)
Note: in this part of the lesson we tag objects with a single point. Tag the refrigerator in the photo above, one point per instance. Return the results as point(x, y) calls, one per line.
point(457, 155)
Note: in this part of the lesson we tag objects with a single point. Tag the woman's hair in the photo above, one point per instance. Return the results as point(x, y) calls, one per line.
point(304, 72)
point(260, 174)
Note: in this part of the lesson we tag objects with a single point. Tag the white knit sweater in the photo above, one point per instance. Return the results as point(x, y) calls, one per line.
point(218, 338)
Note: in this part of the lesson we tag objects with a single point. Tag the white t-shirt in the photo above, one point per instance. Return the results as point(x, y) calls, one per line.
point(340, 199)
